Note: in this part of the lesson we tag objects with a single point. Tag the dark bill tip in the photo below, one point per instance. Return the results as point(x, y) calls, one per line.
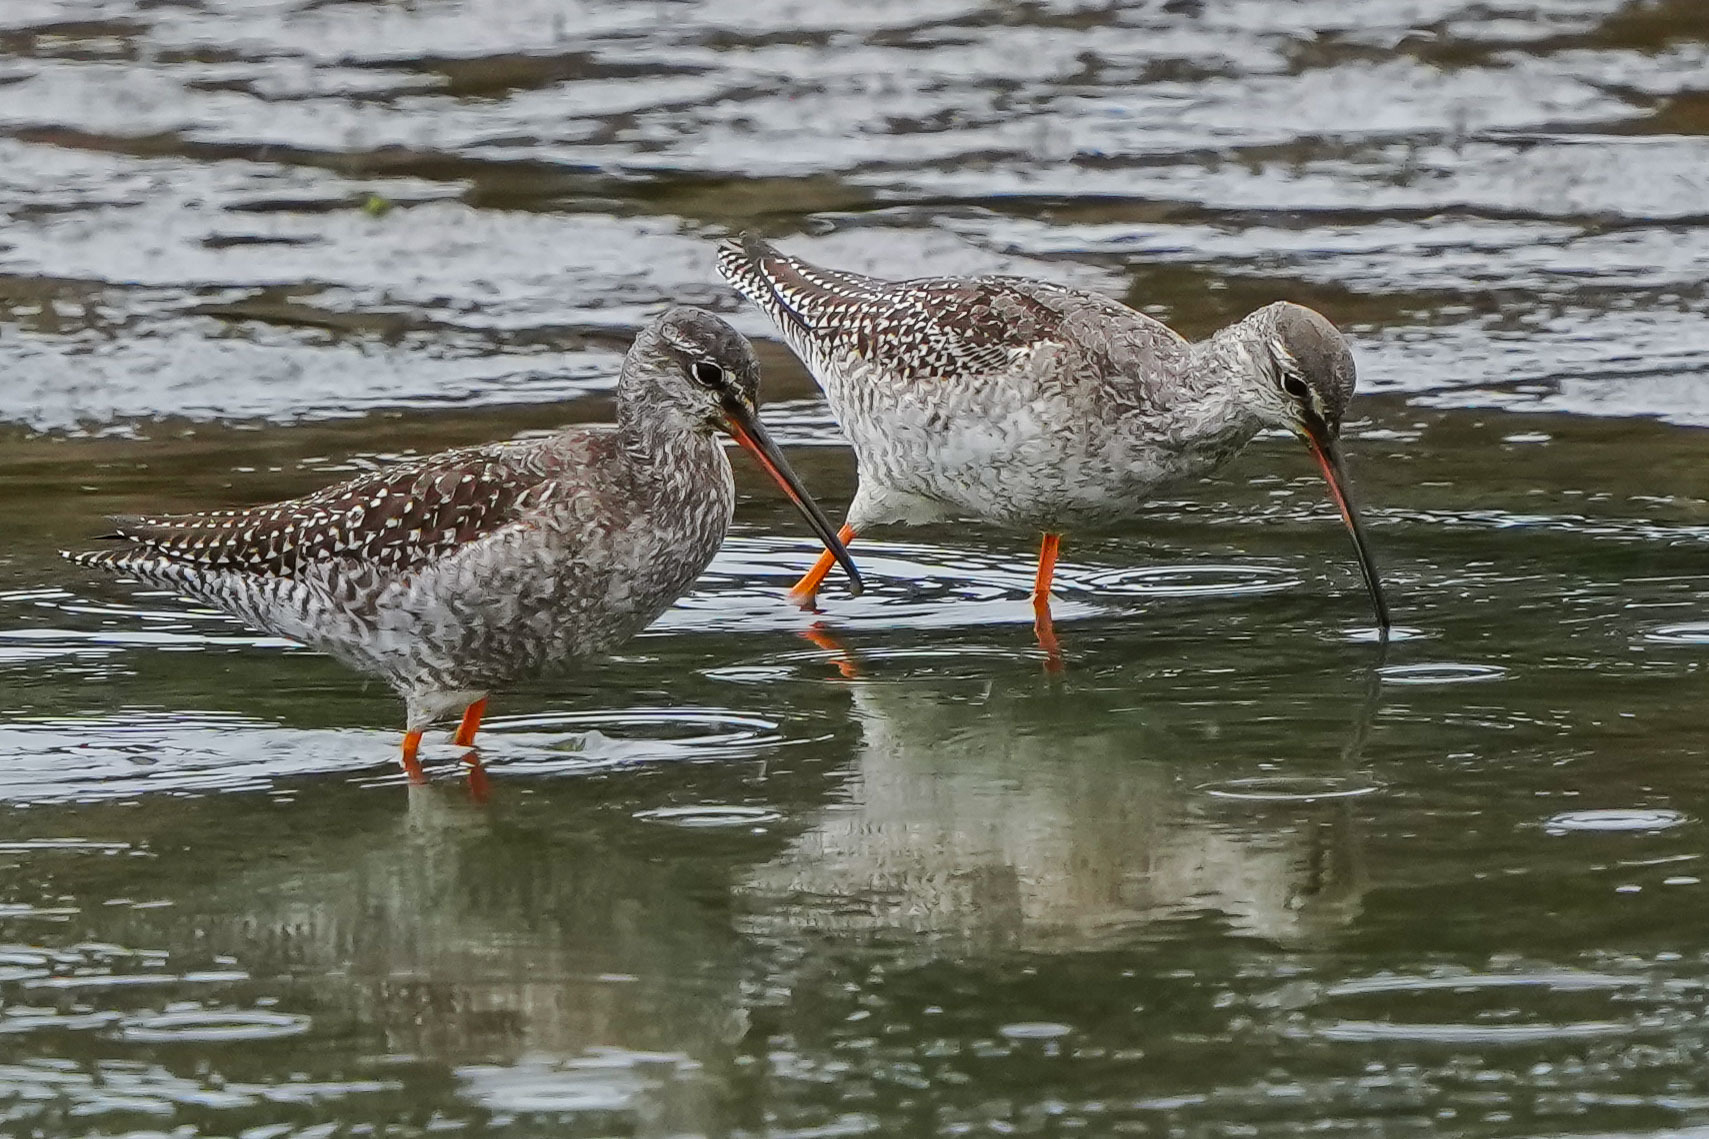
point(745, 428)
point(1327, 452)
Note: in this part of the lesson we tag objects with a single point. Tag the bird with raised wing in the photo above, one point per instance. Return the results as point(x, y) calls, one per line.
point(456, 574)
point(1039, 407)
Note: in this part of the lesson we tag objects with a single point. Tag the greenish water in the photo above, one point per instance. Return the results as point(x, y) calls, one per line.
point(1232, 872)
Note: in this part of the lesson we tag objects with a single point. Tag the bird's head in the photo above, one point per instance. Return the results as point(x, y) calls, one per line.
point(691, 371)
point(1308, 369)
point(1304, 382)
point(696, 367)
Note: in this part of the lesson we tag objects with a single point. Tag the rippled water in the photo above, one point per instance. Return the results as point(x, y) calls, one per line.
point(1231, 872)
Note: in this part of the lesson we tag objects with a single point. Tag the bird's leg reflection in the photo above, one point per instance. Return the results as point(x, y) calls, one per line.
point(841, 656)
point(1046, 634)
point(480, 786)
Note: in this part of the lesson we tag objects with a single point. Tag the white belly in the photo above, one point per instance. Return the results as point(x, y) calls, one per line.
point(1007, 451)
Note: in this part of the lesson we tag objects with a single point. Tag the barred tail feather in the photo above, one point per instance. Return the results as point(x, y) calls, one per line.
point(749, 264)
point(142, 563)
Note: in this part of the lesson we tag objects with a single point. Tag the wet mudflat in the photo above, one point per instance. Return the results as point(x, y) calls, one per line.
point(1232, 873)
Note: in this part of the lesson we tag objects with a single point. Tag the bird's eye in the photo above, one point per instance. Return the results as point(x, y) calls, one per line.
point(707, 373)
point(1295, 386)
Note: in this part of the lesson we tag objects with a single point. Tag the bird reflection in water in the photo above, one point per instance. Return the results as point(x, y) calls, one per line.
point(551, 950)
point(1010, 813)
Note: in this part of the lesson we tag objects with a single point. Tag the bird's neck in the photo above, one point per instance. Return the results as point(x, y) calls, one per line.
point(646, 414)
point(1227, 368)
point(659, 437)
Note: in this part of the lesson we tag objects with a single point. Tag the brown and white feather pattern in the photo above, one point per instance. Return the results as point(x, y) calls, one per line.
point(932, 328)
point(393, 520)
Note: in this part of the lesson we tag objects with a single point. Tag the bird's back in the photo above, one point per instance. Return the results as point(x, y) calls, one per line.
point(393, 520)
point(463, 569)
point(943, 331)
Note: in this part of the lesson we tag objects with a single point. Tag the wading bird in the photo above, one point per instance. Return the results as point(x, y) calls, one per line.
point(459, 573)
point(1039, 407)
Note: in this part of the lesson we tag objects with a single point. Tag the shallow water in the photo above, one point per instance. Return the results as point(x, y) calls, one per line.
point(1233, 872)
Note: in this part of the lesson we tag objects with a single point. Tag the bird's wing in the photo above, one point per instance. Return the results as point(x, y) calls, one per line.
point(928, 329)
point(393, 520)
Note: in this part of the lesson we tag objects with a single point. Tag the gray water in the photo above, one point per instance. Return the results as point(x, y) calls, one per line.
point(1230, 873)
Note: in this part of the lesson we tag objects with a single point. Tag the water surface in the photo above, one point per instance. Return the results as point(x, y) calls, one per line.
point(1232, 872)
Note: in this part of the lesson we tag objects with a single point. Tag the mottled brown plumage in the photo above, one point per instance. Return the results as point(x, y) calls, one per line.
point(461, 572)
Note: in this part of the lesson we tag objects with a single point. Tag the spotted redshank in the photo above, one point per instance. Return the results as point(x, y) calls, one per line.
point(1039, 407)
point(459, 573)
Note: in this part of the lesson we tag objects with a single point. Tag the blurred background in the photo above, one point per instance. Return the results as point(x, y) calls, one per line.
point(1232, 873)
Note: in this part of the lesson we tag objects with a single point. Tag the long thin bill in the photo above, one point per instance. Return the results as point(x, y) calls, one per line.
point(745, 429)
point(1328, 456)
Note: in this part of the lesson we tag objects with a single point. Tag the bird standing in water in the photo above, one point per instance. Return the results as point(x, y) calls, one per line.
point(1039, 407)
point(456, 574)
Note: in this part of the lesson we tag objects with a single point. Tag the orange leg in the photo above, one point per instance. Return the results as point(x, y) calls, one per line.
point(806, 591)
point(1042, 627)
point(412, 765)
point(1046, 567)
point(471, 723)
